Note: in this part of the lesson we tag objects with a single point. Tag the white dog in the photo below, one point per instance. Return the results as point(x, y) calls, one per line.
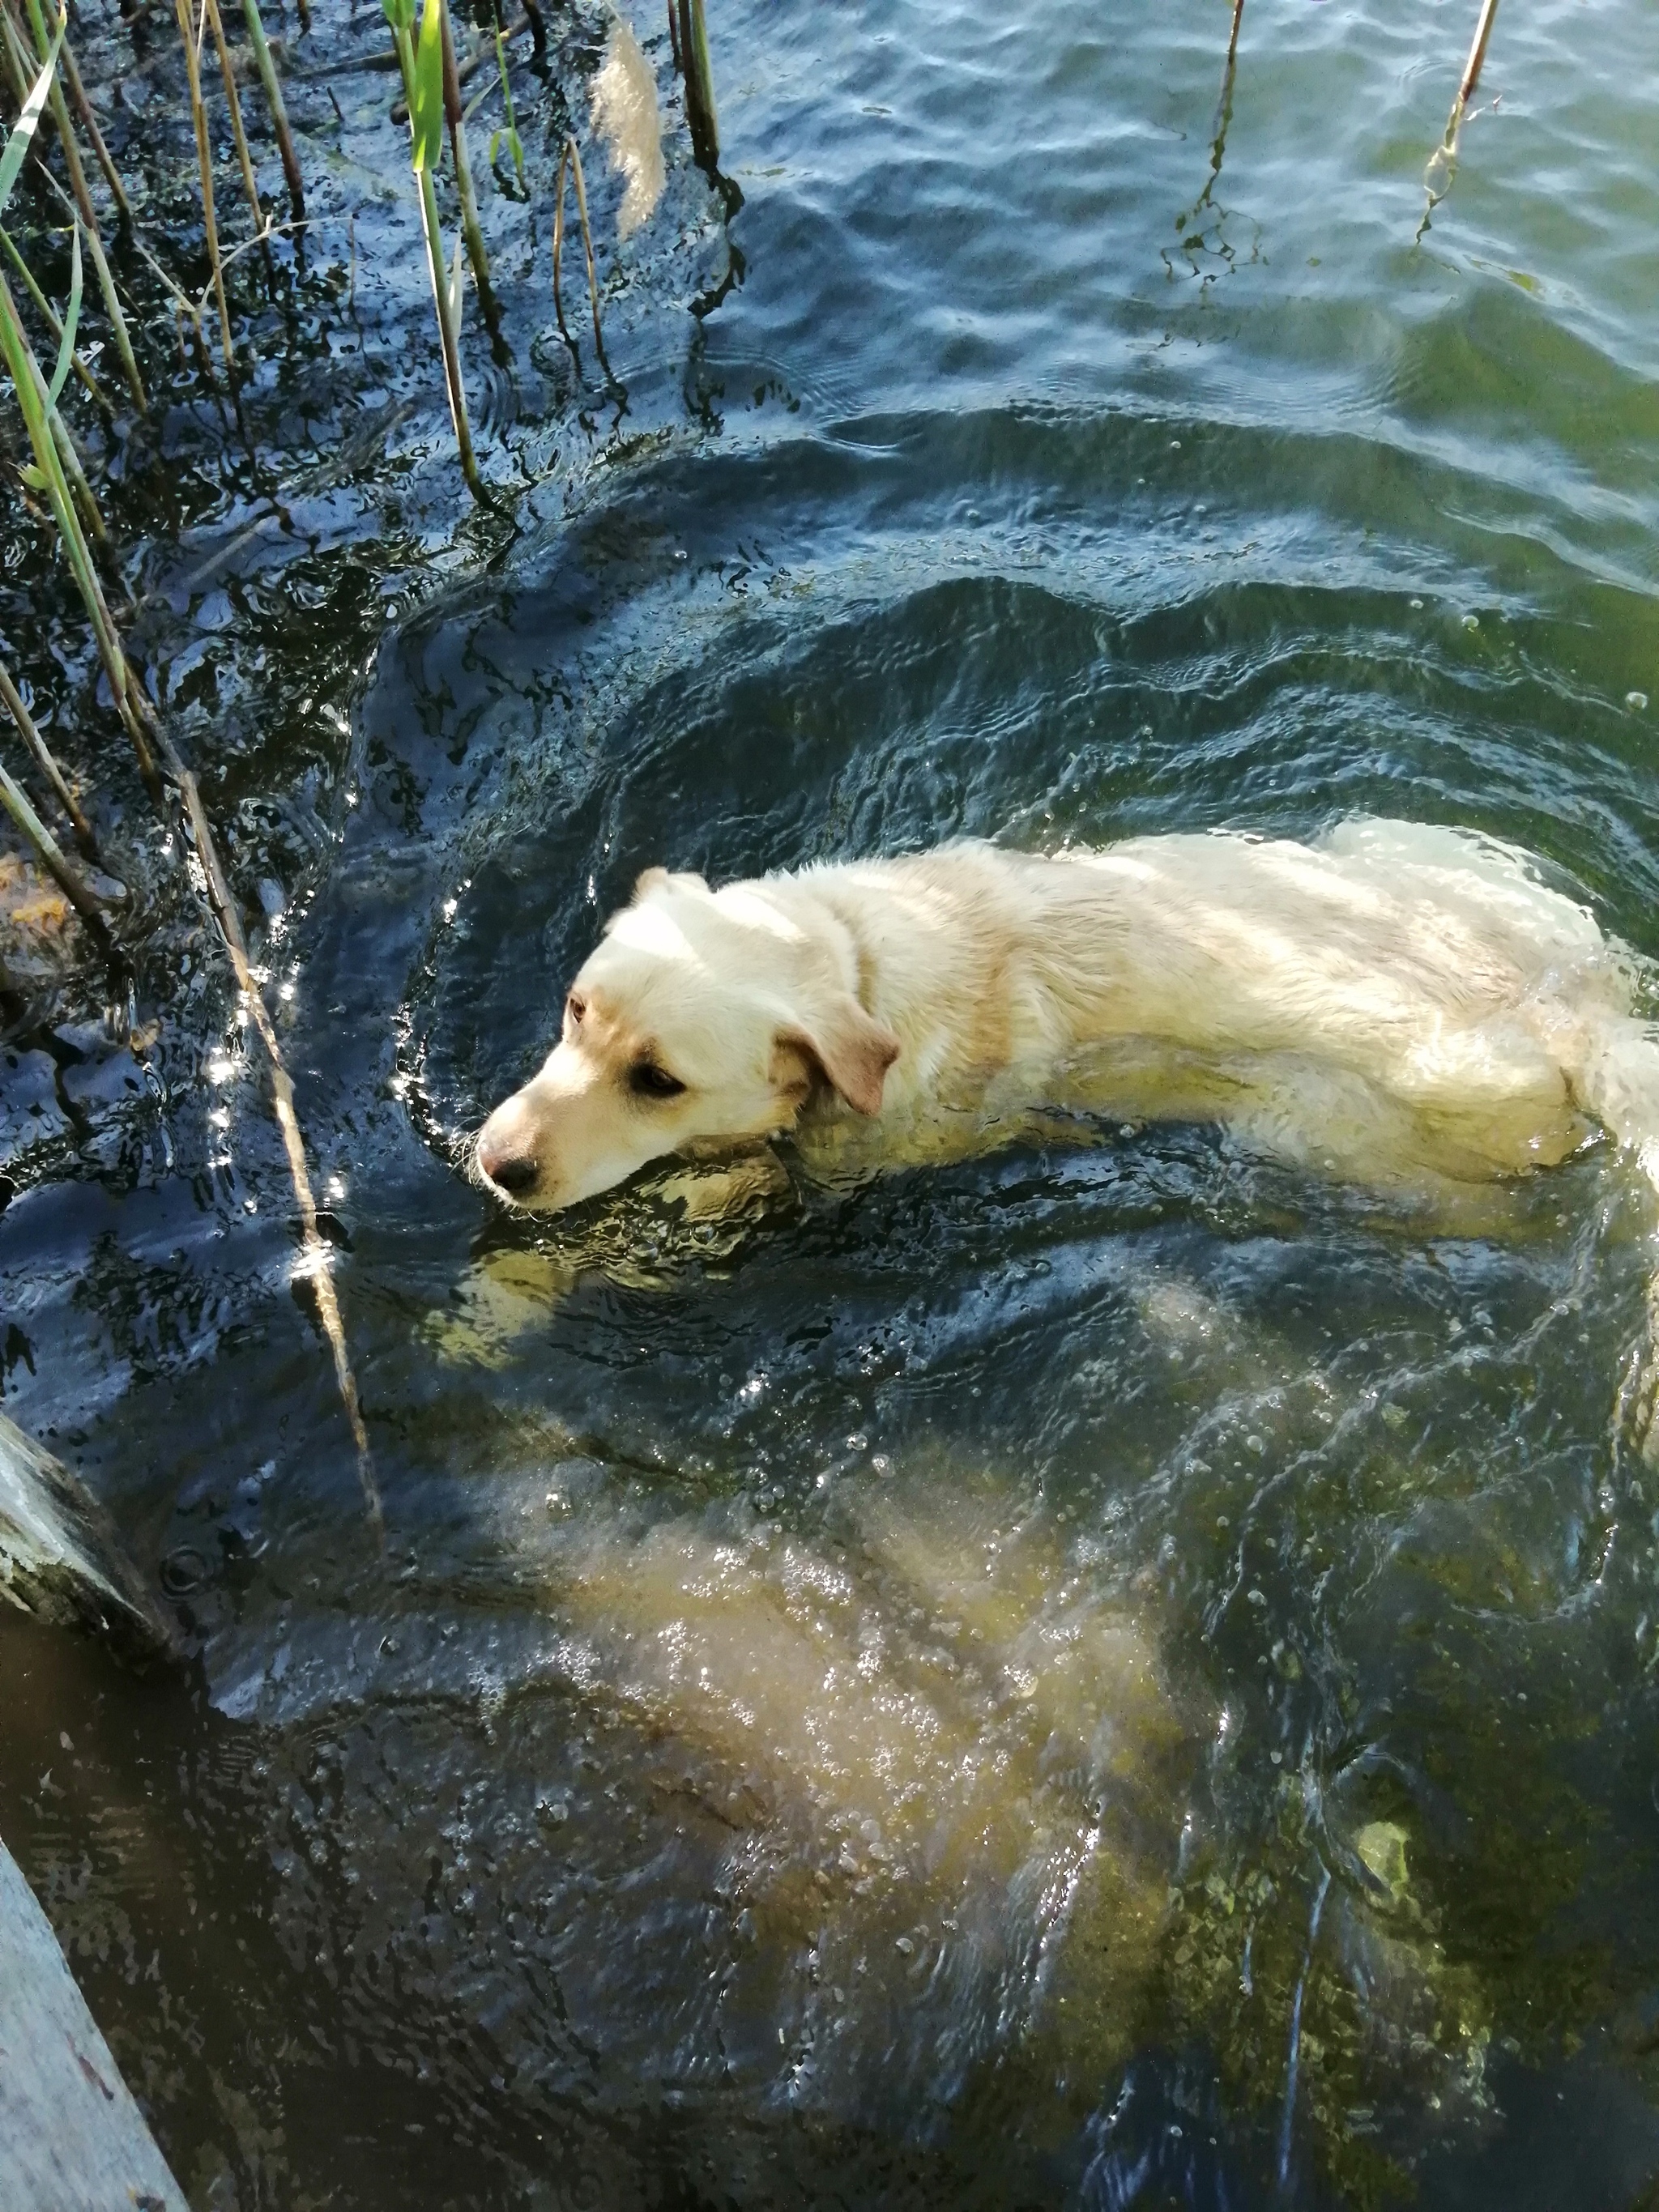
point(1402, 1006)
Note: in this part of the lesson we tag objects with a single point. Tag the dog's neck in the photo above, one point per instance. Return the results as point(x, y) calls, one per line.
point(915, 951)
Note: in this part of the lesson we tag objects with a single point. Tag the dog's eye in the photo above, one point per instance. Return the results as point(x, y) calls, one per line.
point(647, 1080)
point(575, 1006)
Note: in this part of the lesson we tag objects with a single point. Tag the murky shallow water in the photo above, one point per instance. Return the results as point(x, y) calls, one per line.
point(1108, 1672)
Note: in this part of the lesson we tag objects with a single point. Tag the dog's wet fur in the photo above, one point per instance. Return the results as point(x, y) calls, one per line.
point(1401, 1006)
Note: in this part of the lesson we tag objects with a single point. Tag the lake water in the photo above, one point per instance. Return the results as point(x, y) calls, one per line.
point(1112, 1674)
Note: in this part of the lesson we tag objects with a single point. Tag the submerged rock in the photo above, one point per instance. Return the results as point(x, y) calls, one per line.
point(60, 1556)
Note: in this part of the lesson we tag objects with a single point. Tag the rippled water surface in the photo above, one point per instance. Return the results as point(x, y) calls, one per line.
point(1111, 1674)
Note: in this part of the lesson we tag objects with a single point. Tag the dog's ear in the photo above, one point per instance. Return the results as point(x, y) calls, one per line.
point(850, 1047)
point(648, 879)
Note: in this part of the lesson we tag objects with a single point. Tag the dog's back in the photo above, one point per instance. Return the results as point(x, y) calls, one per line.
point(1395, 997)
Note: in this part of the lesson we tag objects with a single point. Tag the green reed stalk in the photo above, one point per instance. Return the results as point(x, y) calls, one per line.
point(38, 398)
point(423, 89)
point(693, 43)
point(11, 699)
point(48, 314)
point(515, 144)
point(472, 228)
point(77, 178)
point(183, 9)
point(46, 398)
point(232, 102)
point(570, 155)
point(273, 90)
point(49, 476)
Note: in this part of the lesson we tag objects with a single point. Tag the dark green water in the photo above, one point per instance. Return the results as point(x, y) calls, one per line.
point(1112, 1674)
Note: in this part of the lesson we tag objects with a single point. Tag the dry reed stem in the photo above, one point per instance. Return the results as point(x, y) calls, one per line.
point(273, 90)
point(62, 870)
point(472, 228)
point(12, 700)
point(1232, 38)
point(204, 163)
point(571, 153)
point(317, 1261)
point(118, 192)
point(1477, 55)
point(77, 177)
point(19, 84)
point(1443, 162)
point(232, 102)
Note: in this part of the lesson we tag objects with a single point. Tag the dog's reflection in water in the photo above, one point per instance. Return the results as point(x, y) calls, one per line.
point(947, 1745)
point(686, 1212)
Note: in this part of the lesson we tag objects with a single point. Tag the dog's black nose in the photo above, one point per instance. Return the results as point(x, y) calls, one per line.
point(515, 1174)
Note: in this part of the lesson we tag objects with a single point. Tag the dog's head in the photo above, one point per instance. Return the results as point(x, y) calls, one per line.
point(704, 1017)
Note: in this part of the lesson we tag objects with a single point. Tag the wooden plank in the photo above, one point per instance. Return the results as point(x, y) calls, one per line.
point(60, 1556)
point(71, 2137)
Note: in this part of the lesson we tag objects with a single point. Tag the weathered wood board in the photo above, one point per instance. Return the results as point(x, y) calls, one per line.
point(71, 2137)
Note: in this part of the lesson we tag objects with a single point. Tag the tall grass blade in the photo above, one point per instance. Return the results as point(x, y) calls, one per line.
point(39, 412)
point(456, 288)
point(515, 144)
point(25, 275)
point(71, 318)
point(425, 103)
point(23, 131)
point(1476, 61)
point(49, 476)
